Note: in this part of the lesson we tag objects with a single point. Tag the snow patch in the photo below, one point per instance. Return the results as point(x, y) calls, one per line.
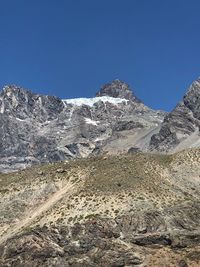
point(2, 109)
point(91, 101)
point(99, 139)
point(89, 121)
point(19, 119)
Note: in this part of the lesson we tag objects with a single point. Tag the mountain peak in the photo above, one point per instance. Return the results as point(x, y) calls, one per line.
point(180, 128)
point(23, 103)
point(192, 97)
point(118, 89)
point(9, 90)
point(194, 89)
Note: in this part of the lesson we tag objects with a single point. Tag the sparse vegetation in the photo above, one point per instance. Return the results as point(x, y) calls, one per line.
point(136, 183)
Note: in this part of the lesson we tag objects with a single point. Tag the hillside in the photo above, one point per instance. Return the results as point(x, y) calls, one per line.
point(125, 210)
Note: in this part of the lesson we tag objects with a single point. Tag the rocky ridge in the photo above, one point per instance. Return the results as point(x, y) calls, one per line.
point(180, 128)
point(37, 129)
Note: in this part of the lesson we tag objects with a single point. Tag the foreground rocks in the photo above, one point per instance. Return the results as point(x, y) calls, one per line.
point(103, 242)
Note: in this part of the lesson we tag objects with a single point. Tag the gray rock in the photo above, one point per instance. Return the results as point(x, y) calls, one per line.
point(38, 129)
point(180, 128)
point(61, 170)
point(118, 89)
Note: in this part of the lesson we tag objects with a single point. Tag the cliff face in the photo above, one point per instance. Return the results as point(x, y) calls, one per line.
point(180, 128)
point(37, 128)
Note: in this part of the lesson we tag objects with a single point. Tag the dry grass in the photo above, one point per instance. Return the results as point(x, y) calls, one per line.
point(112, 186)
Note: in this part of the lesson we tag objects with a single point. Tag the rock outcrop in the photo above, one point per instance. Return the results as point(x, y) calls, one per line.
point(180, 128)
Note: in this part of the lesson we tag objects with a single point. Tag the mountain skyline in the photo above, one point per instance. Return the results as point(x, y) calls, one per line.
point(39, 128)
point(70, 49)
point(98, 92)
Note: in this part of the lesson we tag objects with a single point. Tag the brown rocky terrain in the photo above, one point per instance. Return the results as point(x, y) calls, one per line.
point(127, 210)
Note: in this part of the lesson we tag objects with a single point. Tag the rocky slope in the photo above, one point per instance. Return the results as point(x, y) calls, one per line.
point(129, 210)
point(180, 128)
point(37, 129)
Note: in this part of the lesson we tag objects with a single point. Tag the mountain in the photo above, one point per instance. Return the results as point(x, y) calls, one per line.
point(92, 204)
point(180, 128)
point(126, 210)
point(118, 89)
point(37, 129)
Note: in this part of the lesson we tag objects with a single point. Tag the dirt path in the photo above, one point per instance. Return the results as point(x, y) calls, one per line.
point(36, 213)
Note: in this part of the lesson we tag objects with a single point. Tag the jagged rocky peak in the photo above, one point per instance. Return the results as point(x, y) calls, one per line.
point(17, 101)
point(192, 98)
point(180, 128)
point(118, 89)
point(13, 90)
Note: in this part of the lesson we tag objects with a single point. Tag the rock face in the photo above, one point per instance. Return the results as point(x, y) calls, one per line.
point(118, 89)
point(36, 129)
point(180, 128)
point(23, 104)
point(96, 243)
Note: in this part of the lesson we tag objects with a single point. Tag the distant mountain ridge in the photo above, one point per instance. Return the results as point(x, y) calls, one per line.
point(36, 128)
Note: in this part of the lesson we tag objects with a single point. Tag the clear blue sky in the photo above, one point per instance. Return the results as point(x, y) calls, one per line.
point(70, 48)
